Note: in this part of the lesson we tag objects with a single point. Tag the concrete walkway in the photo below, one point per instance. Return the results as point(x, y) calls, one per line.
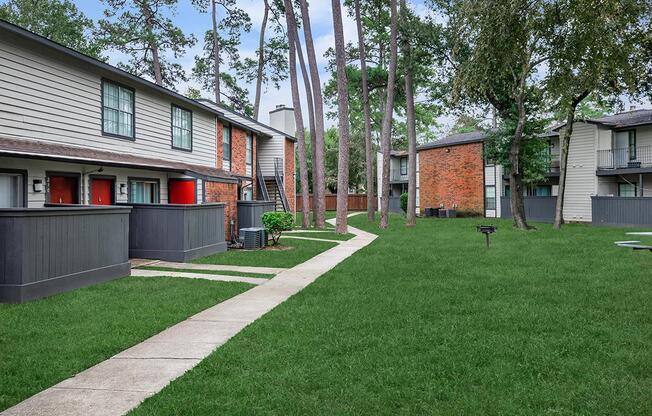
point(119, 384)
point(298, 237)
point(219, 267)
point(206, 276)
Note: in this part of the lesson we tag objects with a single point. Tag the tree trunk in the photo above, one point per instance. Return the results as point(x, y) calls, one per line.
point(343, 112)
point(216, 54)
point(411, 124)
point(369, 156)
point(156, 61)
point(563, 160)
point(261, 60)
point(386, 131)
point(311, 115)
point(515, 175)
point(318, 166)
point(298, 116)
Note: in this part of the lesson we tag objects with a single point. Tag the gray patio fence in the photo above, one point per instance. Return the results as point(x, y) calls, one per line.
point(46, 251)
point(395, 204)
point(176, 232)
point(537, 208)
point(621, 211)
point(251, 212)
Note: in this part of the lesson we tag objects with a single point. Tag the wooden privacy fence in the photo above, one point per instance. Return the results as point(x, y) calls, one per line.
point(357, 202)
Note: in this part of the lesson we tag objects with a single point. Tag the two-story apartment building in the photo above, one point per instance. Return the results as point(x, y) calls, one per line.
point(77, 132)
point(609, 167)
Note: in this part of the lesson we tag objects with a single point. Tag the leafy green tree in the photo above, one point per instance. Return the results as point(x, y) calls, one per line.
point(271, 65)
point(236, 97)
point(223, 37)
point(57, 20)
point(597, 48)
point(496, 50)
point(143, 30)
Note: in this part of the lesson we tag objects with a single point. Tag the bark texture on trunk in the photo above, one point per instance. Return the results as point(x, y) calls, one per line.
point(343, 124)
point(386, 131)
point(319, 191)
point(563, 160)
point(298, 116)
point(515, 174)
point(311, 115)
point(261, 60)
point(411, 127)
point(369, 157)
point(216, 53)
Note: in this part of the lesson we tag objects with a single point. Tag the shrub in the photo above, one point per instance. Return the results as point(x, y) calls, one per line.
point(404, 199)
point(277, 222)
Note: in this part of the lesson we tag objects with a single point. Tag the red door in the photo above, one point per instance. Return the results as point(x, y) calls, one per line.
point(101, 191)
point(182, 192)
point(64, 190)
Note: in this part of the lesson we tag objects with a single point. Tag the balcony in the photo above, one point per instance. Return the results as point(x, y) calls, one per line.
point(640, 157)
point(396, 176)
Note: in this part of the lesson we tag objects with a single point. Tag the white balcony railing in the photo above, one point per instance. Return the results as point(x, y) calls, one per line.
point(638, 157)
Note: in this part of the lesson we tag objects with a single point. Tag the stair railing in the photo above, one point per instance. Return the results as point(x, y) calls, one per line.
point(278, 174)
point(261, 183)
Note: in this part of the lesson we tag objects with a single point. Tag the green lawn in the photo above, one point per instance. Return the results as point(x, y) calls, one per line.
point(299, 217)
point(222, 272)
point(428, 321)
point(299, 251)
point(46, 341)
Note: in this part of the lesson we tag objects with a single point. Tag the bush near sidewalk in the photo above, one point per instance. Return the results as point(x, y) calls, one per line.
point(277, 222)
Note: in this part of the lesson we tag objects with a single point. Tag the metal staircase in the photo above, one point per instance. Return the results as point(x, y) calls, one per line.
point(279, 190)
point(263, 194)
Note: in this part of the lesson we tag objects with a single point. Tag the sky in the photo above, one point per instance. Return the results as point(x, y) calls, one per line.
point(192, 21)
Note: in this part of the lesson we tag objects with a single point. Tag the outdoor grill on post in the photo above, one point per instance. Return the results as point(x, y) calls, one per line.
point(486, 230)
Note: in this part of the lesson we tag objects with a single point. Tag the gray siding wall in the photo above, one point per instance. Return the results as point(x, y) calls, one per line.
point(267, 149)
point(51, 98)
point(581, 182)
point(622, 211)
point(537, 208)
point(176, 232)
point(48, 251)
point(251, 212)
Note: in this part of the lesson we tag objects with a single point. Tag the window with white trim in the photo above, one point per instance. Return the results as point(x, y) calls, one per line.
point(226, 143)
point(12, 192)
point(490, 197)
point(117, 110)
point(142, 191)
point(181, 128)
point(627, 189)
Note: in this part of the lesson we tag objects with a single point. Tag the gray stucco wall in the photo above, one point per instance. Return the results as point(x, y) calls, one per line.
point(176, 232)
point(250, 213)
point(51, 250)
point(537, 208)
point(622, 211)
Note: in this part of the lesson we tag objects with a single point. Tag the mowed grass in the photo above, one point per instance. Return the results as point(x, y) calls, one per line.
point(221, 272)
point(428, 321)
point(296, 252)
point(45, 341)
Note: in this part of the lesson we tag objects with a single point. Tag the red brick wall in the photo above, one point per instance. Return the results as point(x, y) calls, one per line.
point(290, 190)
point(452, 175)
point(228, 193)
point(219, 143)
point(238, 151)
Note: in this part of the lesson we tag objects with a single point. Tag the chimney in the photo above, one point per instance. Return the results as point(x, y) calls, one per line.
point(282, 118)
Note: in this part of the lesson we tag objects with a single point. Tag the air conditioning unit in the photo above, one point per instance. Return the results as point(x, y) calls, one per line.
point(252, 238)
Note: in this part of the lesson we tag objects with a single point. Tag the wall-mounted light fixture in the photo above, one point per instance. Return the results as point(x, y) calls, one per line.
point(37, 185)
point(123, 189)
point(448, 150)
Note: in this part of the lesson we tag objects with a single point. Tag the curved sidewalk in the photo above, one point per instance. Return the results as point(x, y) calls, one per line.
point(119, 384)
